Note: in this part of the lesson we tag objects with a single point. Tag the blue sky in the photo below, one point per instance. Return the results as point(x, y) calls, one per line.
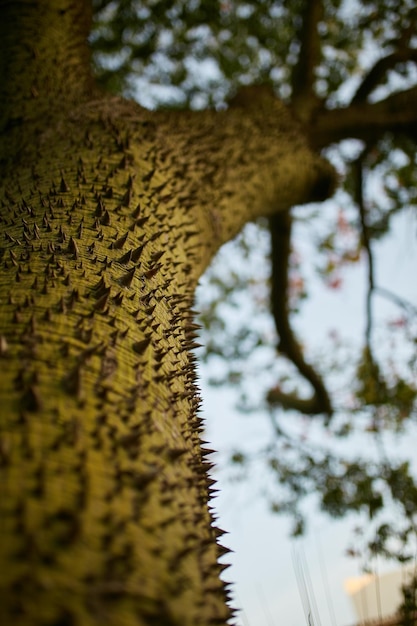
point(266, 585)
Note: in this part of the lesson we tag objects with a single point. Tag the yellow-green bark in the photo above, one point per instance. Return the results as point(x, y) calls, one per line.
point(108, 216)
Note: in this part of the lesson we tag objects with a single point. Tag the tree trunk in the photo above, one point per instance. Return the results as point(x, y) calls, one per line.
point(109, 214)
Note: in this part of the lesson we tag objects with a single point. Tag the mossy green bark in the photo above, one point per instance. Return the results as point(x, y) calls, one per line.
point(108, 216)
point(104, 497)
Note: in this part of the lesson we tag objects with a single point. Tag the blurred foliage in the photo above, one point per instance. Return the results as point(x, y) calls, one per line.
point(408, 607)
point(194, 53)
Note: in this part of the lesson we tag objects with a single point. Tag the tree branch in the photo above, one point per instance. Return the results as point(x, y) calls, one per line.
point(366, 242)
point(304, 98)
point(408, 307)
point(367, 121)
point(375, 76)
point(280, 227)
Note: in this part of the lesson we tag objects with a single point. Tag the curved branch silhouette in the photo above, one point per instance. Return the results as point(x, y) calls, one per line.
point(319, 402)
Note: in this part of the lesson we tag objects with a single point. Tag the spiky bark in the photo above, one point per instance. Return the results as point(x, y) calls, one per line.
point(108, 216)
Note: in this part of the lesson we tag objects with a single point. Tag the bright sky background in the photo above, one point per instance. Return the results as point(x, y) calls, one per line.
point(262, 563)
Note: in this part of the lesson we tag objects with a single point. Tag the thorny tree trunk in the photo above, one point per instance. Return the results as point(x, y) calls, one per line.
point(108, 216)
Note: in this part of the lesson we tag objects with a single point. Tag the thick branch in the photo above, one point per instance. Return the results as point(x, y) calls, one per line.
point(367, 121)
point(280, 226)
point(376, 75)
point(304, 98)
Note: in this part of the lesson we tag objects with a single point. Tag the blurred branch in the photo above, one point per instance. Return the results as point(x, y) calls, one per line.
point(304, 99)
point(372, 389)
point(367, 121)
point(366, 242)
point(376, 75)
point(280, 227)
point(401, 302)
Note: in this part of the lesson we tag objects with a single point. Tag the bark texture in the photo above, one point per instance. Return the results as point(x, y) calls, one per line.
point(108, 216)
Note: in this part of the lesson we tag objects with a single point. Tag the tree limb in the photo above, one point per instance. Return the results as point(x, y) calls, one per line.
point(319, 402)
point(367, 121)
point(366, 242)
point(375, 76)
point(408, 307)
point(304, 98)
